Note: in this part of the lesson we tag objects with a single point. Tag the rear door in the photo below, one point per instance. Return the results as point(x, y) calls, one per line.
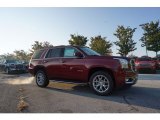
point(52, 63)
point(73, 67)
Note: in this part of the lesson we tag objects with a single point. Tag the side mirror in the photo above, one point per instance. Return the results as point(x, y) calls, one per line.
point(79, 55)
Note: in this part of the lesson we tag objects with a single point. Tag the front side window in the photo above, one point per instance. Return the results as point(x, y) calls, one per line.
point(69, 52)
point(55, 52)
point(89, 51)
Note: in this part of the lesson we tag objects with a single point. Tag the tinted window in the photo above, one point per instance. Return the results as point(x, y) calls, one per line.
point(89, 51)
point(69, 52)
point(56, 52)
point(37, 54)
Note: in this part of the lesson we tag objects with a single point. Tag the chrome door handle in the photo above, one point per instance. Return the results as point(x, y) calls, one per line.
point(62, 61)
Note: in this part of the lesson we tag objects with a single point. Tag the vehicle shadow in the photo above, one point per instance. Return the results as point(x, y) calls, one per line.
point(139, 96)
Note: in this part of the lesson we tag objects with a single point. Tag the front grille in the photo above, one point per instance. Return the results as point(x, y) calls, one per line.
point(132, 65)
point(144, 65)
point(12, 66)
point(19, 66)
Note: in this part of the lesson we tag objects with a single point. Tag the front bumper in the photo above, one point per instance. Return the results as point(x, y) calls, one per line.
point(131, 77)
point(131, 80)
point(125, 77)
point(14, 69)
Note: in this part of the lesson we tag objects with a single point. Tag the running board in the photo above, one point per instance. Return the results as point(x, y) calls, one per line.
point(69, 82)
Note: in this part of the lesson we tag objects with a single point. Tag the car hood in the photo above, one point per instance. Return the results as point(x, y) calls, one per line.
point(107, 57)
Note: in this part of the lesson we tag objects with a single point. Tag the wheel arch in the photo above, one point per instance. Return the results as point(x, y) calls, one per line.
point(108, 70)
point(39, 68)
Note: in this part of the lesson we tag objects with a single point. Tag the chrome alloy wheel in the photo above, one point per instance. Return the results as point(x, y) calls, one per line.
point(100, 83)
point(40, 78)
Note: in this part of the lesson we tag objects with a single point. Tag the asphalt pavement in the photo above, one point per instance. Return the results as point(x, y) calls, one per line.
point(143, 97)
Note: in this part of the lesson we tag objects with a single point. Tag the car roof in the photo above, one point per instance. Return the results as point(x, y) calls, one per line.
point(62, 46)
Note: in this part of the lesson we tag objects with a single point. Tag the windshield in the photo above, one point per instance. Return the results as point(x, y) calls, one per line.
point(89, 51)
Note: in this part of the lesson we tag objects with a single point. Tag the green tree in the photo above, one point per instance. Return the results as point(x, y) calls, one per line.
point(151, 36)
point(39, 45)
point(79, 40)
point(125, 42)
point(8, 56)
point(101, 45)
point(22, 55)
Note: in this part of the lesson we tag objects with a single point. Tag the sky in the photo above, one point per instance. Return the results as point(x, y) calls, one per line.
point(20, 27)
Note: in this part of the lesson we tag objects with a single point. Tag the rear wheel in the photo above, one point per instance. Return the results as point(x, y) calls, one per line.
point(101, 83)
point(41, 79)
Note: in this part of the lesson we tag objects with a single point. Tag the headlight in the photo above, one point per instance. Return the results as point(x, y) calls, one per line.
point(124, 62)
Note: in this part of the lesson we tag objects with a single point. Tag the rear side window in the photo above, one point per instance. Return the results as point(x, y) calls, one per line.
point(55, 52)
point(37, 54)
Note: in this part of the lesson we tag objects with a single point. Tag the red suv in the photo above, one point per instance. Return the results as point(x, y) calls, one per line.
point(82, 64)
point(145, 64)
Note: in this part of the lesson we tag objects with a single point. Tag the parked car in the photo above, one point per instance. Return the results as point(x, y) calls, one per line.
point(145, 64)
point(9, 66)
point(82, 64)
point(26, 65)
point(157, 61)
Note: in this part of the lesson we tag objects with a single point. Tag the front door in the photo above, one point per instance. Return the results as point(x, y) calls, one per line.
point(73, 67)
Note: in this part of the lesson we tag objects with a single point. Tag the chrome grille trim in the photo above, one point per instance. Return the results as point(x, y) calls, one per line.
point(132, 64)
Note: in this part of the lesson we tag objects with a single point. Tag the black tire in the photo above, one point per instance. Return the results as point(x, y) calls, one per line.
point(106, 77)
point(43, 81)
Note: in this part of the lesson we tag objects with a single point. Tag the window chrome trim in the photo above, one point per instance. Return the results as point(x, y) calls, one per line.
point(63, 56)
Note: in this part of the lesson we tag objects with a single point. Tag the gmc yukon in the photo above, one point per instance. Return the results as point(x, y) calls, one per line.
point(82, 64)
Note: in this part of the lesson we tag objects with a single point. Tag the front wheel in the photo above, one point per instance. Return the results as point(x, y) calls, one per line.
point(41, 79)
point(101, 83)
